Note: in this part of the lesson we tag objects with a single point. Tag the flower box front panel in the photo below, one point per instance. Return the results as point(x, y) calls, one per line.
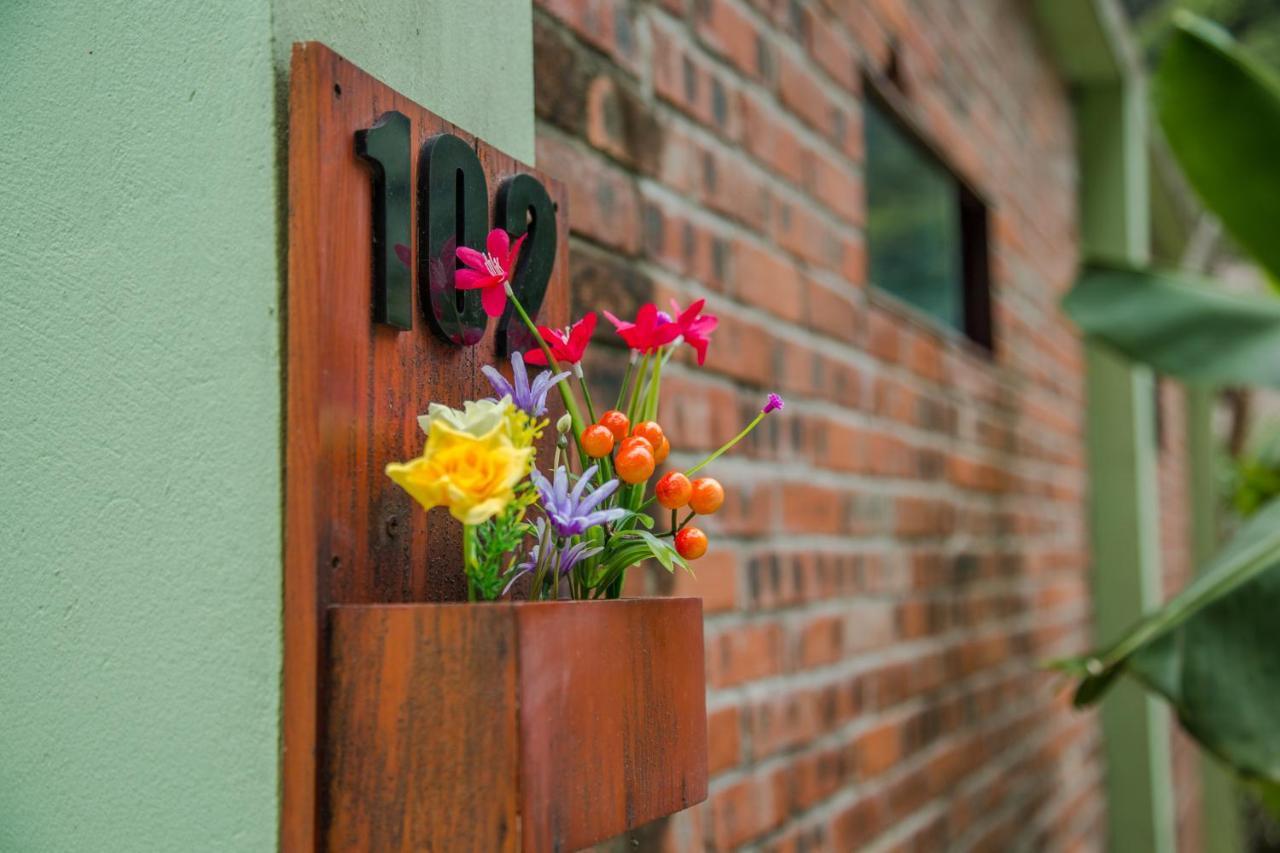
point(511, 726)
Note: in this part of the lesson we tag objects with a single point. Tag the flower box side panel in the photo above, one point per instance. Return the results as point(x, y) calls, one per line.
point(613, 718)
point(421, 745)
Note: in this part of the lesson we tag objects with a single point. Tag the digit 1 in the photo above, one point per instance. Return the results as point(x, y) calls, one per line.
point(385, 147)
point(453, 200)
point(524, 207)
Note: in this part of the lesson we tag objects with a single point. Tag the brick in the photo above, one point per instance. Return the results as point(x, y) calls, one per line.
point(605, 24)
point(714, 580)
point(727, 30)
point(746, 810)
point(724, 739)
point(690, 83)
point(604, 201)
point(875, 605)
point(745, 653)
point(769, 281)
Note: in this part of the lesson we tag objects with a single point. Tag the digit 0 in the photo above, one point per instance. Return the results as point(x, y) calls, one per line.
point(453, 205)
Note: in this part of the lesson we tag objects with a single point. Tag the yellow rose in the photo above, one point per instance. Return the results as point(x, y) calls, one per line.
point(474, 476)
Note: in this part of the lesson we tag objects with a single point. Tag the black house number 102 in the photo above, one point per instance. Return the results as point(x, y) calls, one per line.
point(453, 210)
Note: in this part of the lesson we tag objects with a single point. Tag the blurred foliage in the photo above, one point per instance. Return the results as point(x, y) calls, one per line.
point(1211, 649)
point(1254, 23)
point(1255, 476)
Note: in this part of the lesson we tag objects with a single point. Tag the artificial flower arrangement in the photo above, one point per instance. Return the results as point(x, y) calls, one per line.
point(574, 531)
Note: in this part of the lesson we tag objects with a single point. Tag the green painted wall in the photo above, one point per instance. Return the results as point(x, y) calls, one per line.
point(470, 61)
point(140, 493)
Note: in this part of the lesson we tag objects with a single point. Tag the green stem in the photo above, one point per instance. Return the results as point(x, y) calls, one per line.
point(566, 392)
point(469, 558)
point(586, 392)
point(655, 381)
point(626, 380)
point(714, 456)
point(635, 390)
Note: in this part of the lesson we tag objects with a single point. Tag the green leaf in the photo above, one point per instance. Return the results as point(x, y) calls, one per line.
point(1220, 109)
point(1179, 325)
point(1254, 551)
point(1228, 688)
point(663, 551)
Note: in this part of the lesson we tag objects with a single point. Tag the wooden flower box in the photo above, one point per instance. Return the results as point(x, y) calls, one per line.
point(510, 726)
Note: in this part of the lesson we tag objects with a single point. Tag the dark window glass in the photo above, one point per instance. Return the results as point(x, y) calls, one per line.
point(926, 232)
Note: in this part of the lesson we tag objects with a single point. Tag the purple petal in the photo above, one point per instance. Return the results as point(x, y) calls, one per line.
point(593, 500)
point(581, 485)
point(501, 386)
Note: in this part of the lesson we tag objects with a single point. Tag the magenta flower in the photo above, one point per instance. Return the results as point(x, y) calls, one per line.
point(489, 272)
point(695, 328)
point(774, 404)
point(652, 329)
point(567, 345)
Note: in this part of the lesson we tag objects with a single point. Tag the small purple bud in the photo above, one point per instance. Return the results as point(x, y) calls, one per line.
point(775, 403)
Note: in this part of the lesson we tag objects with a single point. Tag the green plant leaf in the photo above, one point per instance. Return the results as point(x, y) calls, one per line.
point(663, 551)
point(1220, 109)
point(1179, 325)
point(1227, 688)
point(1253, 552)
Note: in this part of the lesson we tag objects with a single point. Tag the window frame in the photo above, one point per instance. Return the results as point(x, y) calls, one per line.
point(881, 93)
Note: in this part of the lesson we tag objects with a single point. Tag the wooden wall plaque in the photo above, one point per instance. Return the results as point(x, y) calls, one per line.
point(353, 386)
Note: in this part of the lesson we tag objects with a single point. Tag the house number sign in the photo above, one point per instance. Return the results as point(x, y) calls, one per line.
point(453, 210)
point(382, 192)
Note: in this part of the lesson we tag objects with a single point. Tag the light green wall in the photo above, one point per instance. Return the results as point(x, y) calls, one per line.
point(140, 487)
point(470, 61)
point(140, 392)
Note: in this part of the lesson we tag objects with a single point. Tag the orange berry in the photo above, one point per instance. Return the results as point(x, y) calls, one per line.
point(650, 431)
point(634, 464)
point(691, 543)
point(597, 441)
point(660, 455)
point(673, 490)
point(617, 423)
point(707, 495)
point(636, 441)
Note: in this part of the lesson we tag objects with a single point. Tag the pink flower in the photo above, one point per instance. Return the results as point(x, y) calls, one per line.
point(489, 272)
point(774, 404)
point(695, 328)
point(566, 345)
point(651, 330)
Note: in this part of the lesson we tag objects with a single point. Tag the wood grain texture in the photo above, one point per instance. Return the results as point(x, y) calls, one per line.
point(353, 390)
point(450, 725)
point(424, 746)
point(613, 717)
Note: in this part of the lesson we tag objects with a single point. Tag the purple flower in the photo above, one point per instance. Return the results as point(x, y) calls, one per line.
point(775, 404)
point(572, 512)
point(563, 562)
point(529, 397)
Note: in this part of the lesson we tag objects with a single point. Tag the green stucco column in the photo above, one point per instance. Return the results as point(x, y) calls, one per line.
point(1122, 470)
point(141, 193)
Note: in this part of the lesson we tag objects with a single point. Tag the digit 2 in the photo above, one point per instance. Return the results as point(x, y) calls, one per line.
point(524, 206)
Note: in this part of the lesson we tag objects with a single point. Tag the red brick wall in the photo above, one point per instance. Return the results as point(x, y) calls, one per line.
point(905, 544)
point(1177, 562)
